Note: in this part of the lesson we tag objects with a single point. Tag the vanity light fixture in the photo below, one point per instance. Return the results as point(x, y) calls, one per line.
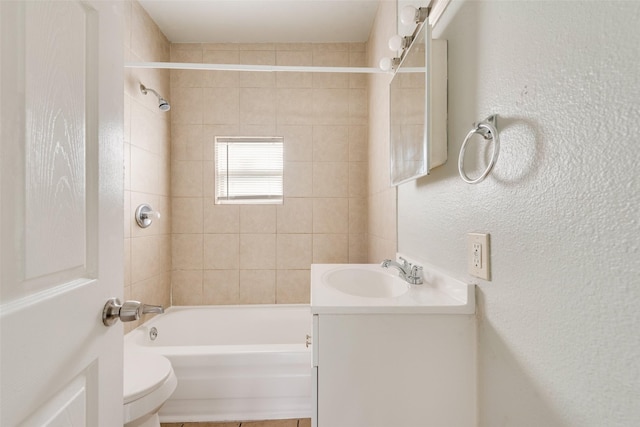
point(410, 15)
point(397, 42)
point(389, 64)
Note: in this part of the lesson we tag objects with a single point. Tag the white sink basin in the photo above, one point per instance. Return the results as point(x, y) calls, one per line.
point(369, 283)
point(369, 288)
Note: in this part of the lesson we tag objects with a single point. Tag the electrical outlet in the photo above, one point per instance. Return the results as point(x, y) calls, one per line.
point(478, 255)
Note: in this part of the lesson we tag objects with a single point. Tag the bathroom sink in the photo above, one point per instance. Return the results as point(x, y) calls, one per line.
point(369, 288)
point(363, 282)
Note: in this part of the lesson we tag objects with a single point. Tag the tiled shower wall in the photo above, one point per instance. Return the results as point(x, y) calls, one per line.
point(382, 196)
point(239, 254)
point(147, 164)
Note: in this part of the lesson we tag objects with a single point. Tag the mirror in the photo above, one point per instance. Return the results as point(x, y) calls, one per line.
point(418, 93)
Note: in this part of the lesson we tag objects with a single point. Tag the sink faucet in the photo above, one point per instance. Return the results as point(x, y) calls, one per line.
point(408, 272)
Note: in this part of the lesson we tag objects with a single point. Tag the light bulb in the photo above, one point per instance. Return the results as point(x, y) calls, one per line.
point(408, 15)
point(388, 64)
point(396, 43)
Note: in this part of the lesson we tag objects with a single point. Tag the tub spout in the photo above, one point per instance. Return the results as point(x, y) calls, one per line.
point(148, 309)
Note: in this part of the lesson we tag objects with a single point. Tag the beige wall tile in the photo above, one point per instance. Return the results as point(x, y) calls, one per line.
point(187, 215)
point(258, 251)
point(358, 144)
point(208, 180)
point(258, 78)
point(328, 47)
point(221, 218)
point(144, 171)
point(330, 58)
point(330, 179)
point(290, 80)
point(187, 250)
point(331, 80)
point(186, 52)
point(221, 251)
point(293, 46)
point(150, 256)
point(147, 42)
point(186, 287)
point(256, 46)
point(258, 106)
point(330, 106)
point(358, 249)
point(257, 286)
point(298, 142)
point(380, 249)
point(258, 219)
point(358, 215)
point(294, 251)
point(358, 107)
point(187, 142)
point(294, 105)
point(330, 248)
point(330, 143)
point(162, 206)
point(146, 163)
point(258, 130)
point(187, 105)
point(221, 105)
point(295, 215)
point(216, 56)
point(312, 112)
point(293, 287)
point(331, 215)
point(294, 57)
point(154, 290)
point(186, 178)
point(221, 287)
point(189, 78)
point(358, 179)
point(298, 179)
point(357, 58)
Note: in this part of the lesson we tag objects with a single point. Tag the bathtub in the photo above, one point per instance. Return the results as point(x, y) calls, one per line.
point(233, 363)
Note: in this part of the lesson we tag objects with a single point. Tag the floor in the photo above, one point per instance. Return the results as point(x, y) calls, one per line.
point(306, 422)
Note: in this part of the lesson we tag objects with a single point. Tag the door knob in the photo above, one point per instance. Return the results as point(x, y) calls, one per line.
point(127, 311)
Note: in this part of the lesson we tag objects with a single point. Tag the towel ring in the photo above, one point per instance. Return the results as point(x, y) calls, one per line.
point(489, 130)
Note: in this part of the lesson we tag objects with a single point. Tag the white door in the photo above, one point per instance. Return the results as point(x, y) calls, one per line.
point(61, 232)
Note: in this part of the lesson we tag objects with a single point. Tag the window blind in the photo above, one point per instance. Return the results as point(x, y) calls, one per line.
point(248, 170)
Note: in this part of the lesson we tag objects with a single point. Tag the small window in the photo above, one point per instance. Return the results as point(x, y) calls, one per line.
point(248, 170)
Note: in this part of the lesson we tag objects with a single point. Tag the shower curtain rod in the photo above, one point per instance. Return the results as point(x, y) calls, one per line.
point(246, 67)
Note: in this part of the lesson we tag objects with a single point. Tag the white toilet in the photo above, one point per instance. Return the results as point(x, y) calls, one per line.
point(149, 380)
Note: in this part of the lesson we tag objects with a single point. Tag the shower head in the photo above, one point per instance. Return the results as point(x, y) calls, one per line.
point(163, 104)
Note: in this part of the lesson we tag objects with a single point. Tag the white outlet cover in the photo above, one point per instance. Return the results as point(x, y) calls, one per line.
point(481, 269)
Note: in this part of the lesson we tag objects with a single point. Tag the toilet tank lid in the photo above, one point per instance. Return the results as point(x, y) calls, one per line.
point(143, 373)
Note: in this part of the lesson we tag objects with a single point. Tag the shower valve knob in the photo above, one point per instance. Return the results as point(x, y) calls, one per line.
point(145, 215)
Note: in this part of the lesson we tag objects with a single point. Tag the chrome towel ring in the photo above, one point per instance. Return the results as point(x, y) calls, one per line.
point(489, 130)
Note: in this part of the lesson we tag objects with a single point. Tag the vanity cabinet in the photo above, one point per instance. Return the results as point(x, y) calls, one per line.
point(393, 370)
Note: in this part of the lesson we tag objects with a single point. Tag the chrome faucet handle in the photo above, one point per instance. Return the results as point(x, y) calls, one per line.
point(148, 309)
point(415, 276)
point(405, 264)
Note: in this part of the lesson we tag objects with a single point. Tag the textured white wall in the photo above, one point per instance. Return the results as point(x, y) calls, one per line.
point(559, 334)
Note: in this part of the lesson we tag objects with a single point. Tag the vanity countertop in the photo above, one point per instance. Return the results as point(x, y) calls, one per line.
point(439, 294)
